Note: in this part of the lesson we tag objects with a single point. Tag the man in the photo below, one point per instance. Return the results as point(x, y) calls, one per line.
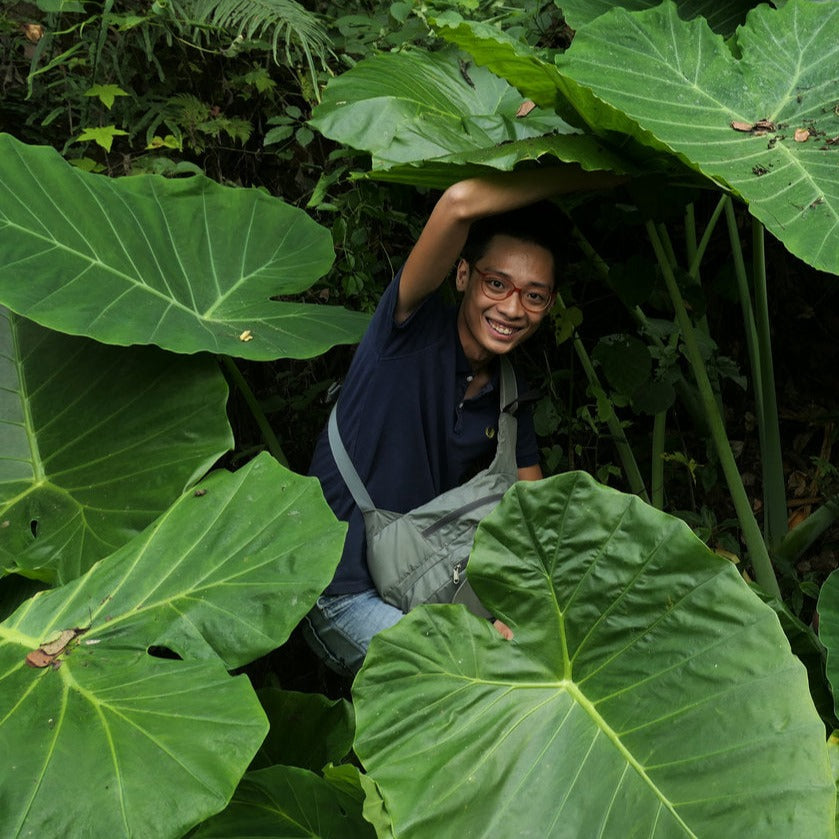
point(420, 404)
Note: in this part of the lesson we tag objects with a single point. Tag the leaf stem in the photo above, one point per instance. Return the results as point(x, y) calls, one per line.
point(755, 545)
point(624, 450)
point(258, 414)
point(774, 490)
point(657, 470)
point(749, 325)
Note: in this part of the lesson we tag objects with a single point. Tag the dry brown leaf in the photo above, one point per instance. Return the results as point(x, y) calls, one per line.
point(59, 644)
point(38, 658)
point(525, 108)
point(33, 31)
point(797, 517)
point(801, 135)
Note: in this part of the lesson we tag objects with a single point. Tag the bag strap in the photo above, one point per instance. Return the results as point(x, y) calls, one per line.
point(345, 465)
point(509, 386)
point(505, 454)
point(507, 399)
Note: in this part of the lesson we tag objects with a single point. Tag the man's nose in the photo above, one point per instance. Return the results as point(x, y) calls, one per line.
point(511, 306)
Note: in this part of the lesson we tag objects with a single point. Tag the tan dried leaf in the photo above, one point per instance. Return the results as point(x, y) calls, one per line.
point(58, 644)
point(38, 658)
point(33, 31)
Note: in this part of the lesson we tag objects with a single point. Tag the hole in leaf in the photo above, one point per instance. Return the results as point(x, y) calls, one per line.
point(163, 652)
point(33, 526)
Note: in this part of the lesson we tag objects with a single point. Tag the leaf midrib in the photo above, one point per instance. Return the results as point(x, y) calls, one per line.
point(38, 472)
point(580, 698)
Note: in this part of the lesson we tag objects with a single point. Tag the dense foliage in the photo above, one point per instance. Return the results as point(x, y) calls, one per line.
point(171, 176)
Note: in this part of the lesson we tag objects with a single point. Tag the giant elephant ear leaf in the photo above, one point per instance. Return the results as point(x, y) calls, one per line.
point(416, 109)
point(829, 630)
point(97, 441)
point(646, 692)
point(722, 17)
point(186, 264)
point(281, 802)
point(764, 123)
point(152, 745)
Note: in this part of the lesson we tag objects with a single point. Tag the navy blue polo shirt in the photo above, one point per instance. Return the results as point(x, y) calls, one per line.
point(405, 424)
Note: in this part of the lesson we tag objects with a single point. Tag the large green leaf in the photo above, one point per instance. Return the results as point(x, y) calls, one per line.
point(185, 264)
point(682, 84)
point(647, 691)
point(282, 802)
point(117, 742)
point(833, 752)
point(413, 107)
point(531, 71)
point(307, 729)
point(444, 171)
point(805, 644)
point(536, 76)
point(829, 630)
point(96, 442)
point(722, 17)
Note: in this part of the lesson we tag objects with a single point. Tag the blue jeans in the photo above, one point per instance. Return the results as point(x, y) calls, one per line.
point(339, 627)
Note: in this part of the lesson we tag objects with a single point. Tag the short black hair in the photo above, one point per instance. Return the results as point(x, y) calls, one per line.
point(541, 223)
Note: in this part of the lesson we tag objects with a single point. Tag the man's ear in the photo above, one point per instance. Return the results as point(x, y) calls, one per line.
point(462, 275)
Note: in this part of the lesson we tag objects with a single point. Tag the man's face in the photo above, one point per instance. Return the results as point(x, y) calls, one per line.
point(490, 327)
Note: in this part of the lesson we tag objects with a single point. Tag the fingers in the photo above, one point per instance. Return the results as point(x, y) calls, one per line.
point(503, 629)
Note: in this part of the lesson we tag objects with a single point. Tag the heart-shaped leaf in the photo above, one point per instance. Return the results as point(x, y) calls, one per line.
point(282, 802)
point(829, 629)
point(155, 745)
point(739, 118)
point(722, 17)
point(307, 729)
point(186, 264)
point(758, 116)
point(97, 442)
point(646, 692)
point(419, 107)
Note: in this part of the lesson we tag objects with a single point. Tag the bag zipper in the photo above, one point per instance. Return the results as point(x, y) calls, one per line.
point(454, 514)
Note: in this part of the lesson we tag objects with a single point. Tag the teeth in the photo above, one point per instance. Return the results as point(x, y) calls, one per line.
point(504, 330)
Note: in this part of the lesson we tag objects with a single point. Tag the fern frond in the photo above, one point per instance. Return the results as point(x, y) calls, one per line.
point(287, 21)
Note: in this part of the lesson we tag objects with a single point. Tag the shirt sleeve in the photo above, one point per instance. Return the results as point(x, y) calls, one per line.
point(423, 327)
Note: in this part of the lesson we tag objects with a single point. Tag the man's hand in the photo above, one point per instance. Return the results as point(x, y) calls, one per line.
point(503, 629)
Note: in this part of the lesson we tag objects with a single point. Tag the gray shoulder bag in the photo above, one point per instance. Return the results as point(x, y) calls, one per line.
point(420, 556)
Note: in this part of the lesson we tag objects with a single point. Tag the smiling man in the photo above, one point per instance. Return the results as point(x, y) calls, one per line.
point(420, 403)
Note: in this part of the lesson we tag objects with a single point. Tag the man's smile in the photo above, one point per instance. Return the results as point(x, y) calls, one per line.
point(502, 328)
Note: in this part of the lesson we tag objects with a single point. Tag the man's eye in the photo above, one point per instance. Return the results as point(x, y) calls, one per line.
point(537, 297)
point(496, 283)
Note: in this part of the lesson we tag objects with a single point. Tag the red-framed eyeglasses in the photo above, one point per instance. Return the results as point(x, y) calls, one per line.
point(534, 297)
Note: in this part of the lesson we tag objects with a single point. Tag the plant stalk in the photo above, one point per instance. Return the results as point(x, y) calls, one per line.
point(749, 326)
point(271, 441)
point(764, 573)
point(657, 454)
point(774, 488)
point(627, 458)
